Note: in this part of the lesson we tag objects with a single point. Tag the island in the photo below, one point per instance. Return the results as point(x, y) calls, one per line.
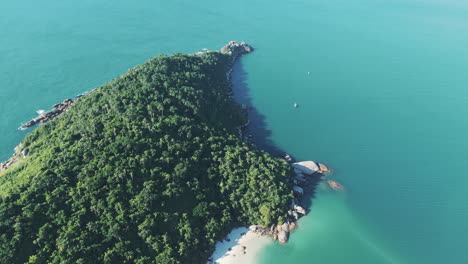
point(151, 167)
point(148, 168)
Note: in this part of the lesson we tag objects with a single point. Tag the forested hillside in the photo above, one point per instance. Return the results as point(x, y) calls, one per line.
point(148, 168)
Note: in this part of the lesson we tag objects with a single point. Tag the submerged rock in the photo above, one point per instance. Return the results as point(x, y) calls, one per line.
point(335, 185)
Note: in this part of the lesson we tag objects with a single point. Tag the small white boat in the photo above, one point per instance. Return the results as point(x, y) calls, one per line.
point(296, 105)
point(40, 112)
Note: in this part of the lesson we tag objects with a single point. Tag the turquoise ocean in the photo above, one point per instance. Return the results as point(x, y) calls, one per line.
point(385, 104)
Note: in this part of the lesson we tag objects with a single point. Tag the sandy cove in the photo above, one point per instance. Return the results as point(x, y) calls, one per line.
point(239, 246)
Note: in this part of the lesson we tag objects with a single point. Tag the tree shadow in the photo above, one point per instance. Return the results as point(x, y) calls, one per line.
point(309, 192)
point(261, 135)
point(257, 127)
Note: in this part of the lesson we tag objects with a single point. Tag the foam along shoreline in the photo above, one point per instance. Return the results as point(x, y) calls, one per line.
point(240, 246)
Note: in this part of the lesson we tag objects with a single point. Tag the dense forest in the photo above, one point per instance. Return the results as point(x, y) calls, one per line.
point(148, 168)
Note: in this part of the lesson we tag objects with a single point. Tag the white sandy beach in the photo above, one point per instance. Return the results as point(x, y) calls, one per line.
point(244, 244)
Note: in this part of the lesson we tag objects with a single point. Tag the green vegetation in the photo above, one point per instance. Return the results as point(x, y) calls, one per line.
point(145, 169)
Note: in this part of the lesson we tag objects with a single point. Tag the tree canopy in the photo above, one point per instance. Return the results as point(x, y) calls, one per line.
point(147, 168)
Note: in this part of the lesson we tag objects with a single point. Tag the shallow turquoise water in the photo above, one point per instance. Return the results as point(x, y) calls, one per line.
point(384, 105)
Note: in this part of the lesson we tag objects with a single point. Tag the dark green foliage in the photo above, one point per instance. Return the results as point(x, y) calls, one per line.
point(146, 169)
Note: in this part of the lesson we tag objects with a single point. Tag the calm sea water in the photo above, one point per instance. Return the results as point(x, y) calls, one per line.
point(384, 105)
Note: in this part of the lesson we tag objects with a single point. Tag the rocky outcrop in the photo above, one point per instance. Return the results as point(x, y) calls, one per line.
point(19, 154)
point(292, 226)
point(305, 174)
point(289, 158)
point(323, 168)
point(283, 237)
point(299, 209)
point(283, 233)
point(59, 109)
point(306, 167)
point(236, 49)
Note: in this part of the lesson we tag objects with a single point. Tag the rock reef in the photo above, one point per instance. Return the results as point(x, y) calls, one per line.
point(59, 109)
point(335, 185)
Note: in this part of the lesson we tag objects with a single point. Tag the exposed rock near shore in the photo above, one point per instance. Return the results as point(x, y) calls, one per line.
point(59, 109)
point(323, 168)
point(236, 49)
point(306, 173)
point(283, 236)
point(19, 153)
point(306, 167)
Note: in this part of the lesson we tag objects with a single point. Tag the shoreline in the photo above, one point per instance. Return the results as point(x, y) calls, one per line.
point(241, 245)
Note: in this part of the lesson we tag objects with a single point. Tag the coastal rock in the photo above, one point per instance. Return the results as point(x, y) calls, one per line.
point(275, 236)
point(19, 153)
point(306, 167)
point(18, 148)
point(289, 158)
point(323, 168)
point(292, 226)
point(236, 49)
point(255, 228)
point(59, 109)
point(295, 215)
point(285, 227)
point(282, 237)
point(300, 209)
point(24, 152)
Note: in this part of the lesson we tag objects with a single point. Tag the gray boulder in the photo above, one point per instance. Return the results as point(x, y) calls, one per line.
point(283, 237)
point(306, 167)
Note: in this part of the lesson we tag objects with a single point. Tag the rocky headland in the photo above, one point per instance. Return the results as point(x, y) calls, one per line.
point(57, 110)
point(306, 175)
point(236, 49)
